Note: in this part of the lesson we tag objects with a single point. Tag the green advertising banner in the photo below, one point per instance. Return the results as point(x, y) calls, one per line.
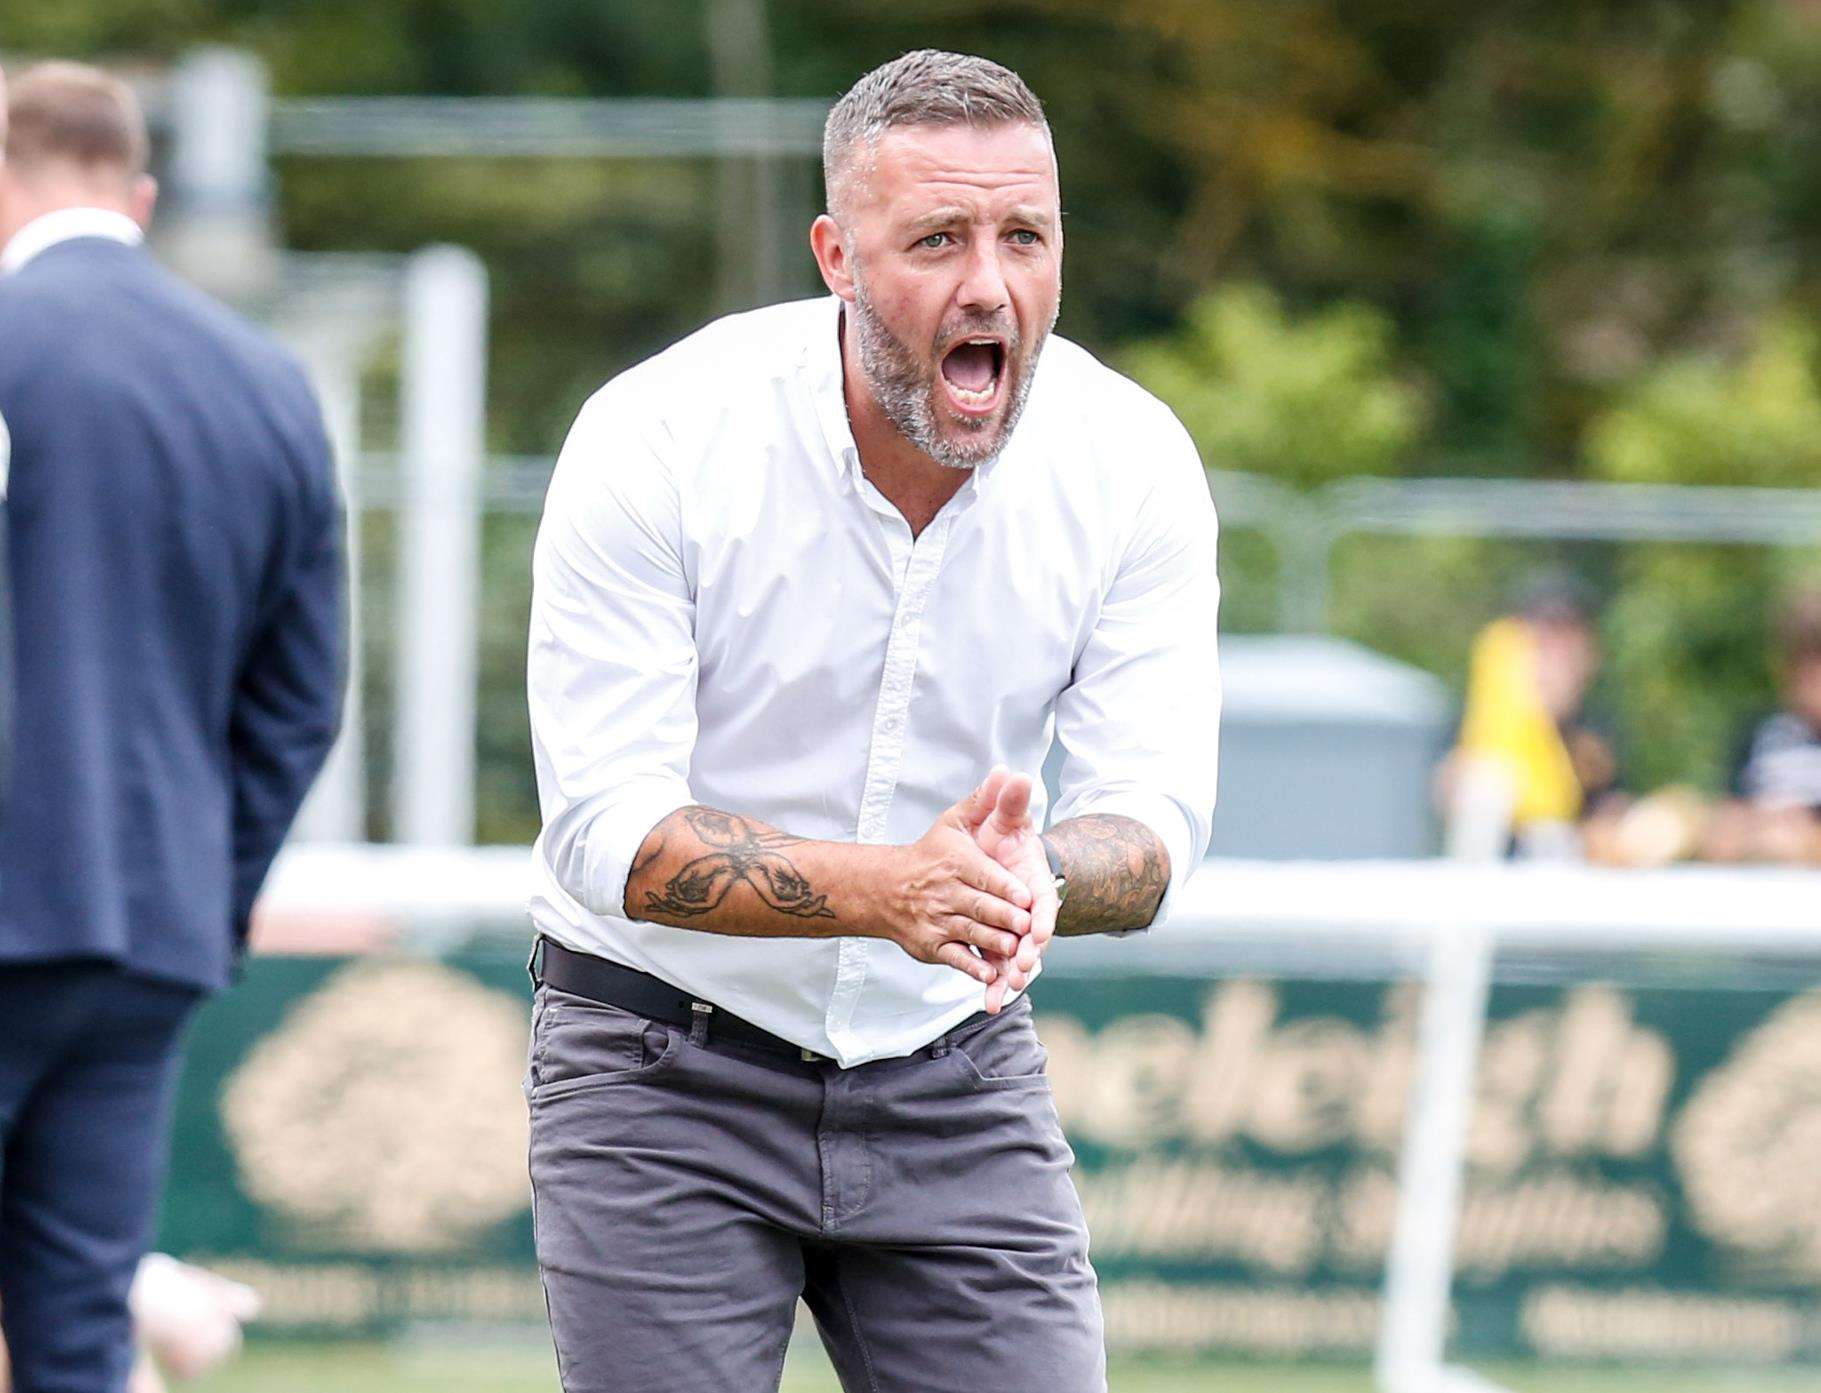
point(1644, 1165)
point(1644, 1182)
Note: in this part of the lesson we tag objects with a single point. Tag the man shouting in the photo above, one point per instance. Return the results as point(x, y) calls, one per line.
point(808, 584)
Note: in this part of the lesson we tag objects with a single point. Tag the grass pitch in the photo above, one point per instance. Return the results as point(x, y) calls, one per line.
point(459, 1368)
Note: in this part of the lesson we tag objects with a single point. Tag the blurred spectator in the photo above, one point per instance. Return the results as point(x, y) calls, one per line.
point(1530, 767)
point(1774, 813)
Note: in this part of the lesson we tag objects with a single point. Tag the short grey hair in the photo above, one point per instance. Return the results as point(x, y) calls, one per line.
point(927, 87)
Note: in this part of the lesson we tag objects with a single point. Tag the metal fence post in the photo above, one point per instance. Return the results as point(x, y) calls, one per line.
point(444, 398)
point(218, 232)
point(336, 809)
point(1419, 1272)
point(1305, 562)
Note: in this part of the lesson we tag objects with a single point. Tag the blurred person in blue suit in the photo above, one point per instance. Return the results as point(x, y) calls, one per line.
point(174, 540)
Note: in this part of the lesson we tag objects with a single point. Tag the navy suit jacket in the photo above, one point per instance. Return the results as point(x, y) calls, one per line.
point(174, 538)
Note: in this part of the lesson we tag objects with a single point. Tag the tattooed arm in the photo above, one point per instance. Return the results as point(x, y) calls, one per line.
point(710, 854)
point(1117, 871)
point(720, 872)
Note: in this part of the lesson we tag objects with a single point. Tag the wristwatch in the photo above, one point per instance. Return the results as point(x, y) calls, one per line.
point(1060, 876)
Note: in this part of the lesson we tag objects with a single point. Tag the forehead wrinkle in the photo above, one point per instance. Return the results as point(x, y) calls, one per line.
point(975, 177)
point(967, 193)
point(931, 153)
point(1031, 183)
point(904, 155)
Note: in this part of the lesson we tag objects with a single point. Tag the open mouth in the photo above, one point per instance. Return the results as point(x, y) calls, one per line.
point(973, 371)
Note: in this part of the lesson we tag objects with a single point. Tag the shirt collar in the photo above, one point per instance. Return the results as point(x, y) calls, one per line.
point(64, 225)
point(822, 369)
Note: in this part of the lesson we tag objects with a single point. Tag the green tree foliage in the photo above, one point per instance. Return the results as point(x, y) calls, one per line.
point(1306, 399)
point(1701, 419)
point(350, 46)
point(1687, 631)
point(1687, 640)
point(1586, 228)
point(1546, 197)
point(1303, 399)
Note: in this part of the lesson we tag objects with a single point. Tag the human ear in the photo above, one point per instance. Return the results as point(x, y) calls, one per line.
point(833, 259)
point(141, 199)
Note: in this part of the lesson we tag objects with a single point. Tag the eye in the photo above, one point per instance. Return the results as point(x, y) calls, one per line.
point(935, 241)
point(1024, 237)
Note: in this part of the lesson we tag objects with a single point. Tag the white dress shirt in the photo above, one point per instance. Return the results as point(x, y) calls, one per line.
point(726, 612)
point(65, 225)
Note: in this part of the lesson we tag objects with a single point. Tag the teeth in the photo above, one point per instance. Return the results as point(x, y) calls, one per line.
point(968, 396)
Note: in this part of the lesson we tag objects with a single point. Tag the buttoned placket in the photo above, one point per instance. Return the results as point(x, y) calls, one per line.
point(916, 562)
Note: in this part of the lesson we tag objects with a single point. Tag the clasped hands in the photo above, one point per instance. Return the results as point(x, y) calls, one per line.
point(976, 893)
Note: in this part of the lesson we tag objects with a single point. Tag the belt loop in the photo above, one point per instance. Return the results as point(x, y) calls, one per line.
point(534, 965)
point(698, 1027)
point(939, 1046)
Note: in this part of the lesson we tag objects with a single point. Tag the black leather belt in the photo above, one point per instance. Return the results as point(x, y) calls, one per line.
point(610, 984)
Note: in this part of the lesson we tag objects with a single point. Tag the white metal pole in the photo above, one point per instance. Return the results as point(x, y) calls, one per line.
point(218, 232)
point(444, 391)
point(1419, 1272)
point(747, 193)
point(336, 809)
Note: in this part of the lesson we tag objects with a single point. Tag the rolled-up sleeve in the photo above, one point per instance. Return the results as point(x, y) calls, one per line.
point(611, 664)
point(1139, 725)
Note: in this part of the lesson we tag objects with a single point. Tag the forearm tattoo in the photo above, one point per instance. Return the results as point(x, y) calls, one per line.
point(744, 852)
point(1117, 870)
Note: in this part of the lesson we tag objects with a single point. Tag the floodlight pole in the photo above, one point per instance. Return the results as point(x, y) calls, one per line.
point(444, 388)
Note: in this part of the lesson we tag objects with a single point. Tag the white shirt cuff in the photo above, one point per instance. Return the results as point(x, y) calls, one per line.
point(618, 833)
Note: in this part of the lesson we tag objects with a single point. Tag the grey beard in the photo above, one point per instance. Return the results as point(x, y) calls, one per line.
point(906, 391)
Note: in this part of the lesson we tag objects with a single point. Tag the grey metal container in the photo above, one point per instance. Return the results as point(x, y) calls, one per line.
point(1327, 751)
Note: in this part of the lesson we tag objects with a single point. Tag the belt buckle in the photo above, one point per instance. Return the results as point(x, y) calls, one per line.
point(811, 1057)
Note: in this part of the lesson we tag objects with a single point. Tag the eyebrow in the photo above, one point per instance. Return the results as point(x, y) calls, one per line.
point(940, 217)
point(947, 217)
point(1036, 217)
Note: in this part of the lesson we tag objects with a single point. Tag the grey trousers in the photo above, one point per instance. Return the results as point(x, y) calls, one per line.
point(687, 1194)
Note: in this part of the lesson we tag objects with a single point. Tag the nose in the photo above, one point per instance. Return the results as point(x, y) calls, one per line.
point(982, 287)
